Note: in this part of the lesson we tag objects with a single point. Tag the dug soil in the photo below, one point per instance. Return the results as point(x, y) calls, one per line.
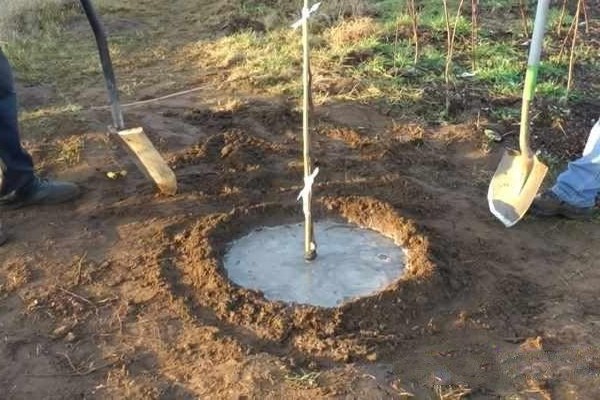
point(123, 294)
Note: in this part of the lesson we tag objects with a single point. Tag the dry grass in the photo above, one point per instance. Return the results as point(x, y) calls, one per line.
point(452, 392)
point(17, 275)
point(340, 9)
point(352, 31)
point(30, 16)
point(271, 62)
point(304, 379)
point(541, 388)
point(69, 150)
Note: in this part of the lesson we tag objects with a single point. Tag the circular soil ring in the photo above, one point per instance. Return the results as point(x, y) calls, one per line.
point(364, 327)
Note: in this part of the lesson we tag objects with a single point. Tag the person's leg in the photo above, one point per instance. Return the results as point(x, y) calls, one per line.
point(17, 166)
point(580, 183)
point(575, 191)
point(19, 186)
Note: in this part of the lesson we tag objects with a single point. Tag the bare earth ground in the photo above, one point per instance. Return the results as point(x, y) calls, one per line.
point(122, 295)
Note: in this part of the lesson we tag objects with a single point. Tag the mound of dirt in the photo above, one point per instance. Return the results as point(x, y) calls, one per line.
point(332, 333)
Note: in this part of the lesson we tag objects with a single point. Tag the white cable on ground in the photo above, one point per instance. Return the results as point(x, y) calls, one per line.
point(168, 96)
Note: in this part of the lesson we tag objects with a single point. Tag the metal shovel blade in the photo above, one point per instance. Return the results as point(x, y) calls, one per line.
point(514, 186)
point(152, 162)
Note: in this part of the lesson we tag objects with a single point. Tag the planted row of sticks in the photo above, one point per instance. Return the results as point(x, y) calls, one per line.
point(570, 38)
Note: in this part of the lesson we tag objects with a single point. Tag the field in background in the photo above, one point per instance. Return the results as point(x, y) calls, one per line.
point(114, 297)
point(362, 51)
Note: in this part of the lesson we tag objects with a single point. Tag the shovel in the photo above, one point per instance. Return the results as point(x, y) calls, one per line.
point(150, 161)
point(520, 174)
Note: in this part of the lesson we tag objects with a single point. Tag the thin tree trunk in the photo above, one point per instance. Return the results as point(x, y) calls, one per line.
point(524, 18)
point(415, 27)
point(573, 45)
point(585, 16)
point(396, 42)
point(561, 18)
point(563, 47)
point(451, 35)
point(474, 32)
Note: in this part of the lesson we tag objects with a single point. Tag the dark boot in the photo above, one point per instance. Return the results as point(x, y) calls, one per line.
point(40, 192)
point(3, 236)
point(19, 186)
point(548, 204)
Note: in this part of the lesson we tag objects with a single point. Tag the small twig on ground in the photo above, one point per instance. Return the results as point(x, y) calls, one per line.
point(453, 392)
point(76, 372)
point(75, 295)
point(79, 266)
point(107, 300)
point(65, 355)
point(94, 369)
point(304, 378)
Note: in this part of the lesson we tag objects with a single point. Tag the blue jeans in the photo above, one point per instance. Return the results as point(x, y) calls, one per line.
point(580, 183)
point(16, 166)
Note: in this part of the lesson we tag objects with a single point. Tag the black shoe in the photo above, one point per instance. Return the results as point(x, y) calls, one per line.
point(41, 192)
point(3, 236)
point(548, 204)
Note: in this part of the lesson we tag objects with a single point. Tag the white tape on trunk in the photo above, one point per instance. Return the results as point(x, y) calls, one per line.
point(307, 190)
point(306, 13)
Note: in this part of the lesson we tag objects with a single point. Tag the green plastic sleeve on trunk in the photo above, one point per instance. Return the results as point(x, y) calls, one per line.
point(530, 81)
